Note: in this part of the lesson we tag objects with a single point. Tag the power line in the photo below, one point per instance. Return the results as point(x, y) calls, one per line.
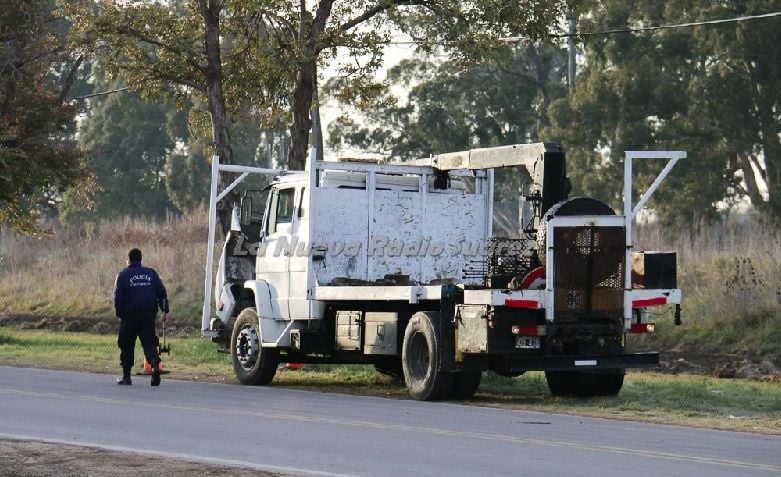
point(511, 39)
point(661, 27)
point(102, 93)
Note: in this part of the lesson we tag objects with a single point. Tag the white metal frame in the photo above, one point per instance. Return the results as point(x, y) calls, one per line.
point(630, 211)
point(626, 221)
point(214, 198)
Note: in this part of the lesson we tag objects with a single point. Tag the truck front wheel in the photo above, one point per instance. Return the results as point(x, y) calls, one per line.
point(421, 358)
point(252, 364)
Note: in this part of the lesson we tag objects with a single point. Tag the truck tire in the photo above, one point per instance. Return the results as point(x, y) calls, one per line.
point(607, 384)
point(422, 355)
point(252, 364)
point(561, 383)
point(465, 384)
point(583, 384)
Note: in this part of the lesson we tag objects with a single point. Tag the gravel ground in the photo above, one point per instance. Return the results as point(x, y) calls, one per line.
point(39, 459)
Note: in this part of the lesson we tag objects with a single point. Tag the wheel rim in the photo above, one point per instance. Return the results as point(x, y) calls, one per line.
point(419, 359)
point(247, 347)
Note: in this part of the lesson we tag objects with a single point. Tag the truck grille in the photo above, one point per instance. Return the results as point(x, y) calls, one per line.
point(589, 272)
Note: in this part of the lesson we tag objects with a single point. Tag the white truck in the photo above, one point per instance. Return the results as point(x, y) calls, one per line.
point(395, 265)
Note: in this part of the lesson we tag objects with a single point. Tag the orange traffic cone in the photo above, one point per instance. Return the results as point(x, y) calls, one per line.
point(148, 367)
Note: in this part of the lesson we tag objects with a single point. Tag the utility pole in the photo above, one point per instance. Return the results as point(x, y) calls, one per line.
point(571, 53)
point(317, 125)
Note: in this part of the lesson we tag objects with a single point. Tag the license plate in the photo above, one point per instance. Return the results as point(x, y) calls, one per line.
point(527, 342)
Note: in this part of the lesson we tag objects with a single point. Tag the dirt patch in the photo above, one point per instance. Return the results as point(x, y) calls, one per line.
point(39, 459)
point(100, 326)
point(725, 366)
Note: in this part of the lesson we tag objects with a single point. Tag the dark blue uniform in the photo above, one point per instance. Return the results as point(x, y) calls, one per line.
point(138, 294)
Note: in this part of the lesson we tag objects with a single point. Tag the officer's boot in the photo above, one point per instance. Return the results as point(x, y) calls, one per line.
point(125, 379)
point(156, 372)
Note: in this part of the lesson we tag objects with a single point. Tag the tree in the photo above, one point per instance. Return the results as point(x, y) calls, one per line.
point(187, 179)
point(471, 30)
point(712, 90)
point(447, 110)
point(187, 174)
point(263, 56)
point(38, 157)
point(126, 141)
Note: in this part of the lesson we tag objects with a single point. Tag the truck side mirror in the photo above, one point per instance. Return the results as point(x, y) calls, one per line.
point(246, 210)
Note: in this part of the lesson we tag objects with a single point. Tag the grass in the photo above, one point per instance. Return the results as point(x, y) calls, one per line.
point(196, 358)
point(688, 400)
point(731, 308)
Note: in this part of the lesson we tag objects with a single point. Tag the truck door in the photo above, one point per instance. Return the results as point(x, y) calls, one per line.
point(299, 258)
point(273, 267)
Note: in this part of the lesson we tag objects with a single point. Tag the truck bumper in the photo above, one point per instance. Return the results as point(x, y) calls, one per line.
point(581, 363)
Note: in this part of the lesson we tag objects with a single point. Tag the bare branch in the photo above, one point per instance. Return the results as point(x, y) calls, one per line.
point(376, 10)
point(70, 78)
point(167, 76)
point(274, 18)
point(140, 36)
point(322, 14)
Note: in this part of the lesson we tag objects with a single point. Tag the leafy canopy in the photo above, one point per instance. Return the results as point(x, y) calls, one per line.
point(38, 156)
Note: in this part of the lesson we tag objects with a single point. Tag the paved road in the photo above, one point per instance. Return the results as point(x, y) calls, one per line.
point(303, 432)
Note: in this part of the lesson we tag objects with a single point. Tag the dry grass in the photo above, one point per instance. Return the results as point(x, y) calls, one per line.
point(71, 273)
point(732, 293)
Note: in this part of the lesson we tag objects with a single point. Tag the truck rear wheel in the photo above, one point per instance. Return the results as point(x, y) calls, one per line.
point(421, 358)
point(252, 364)
point(585, 384)
point(465, 384)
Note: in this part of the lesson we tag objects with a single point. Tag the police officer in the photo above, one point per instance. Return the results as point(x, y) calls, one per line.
point(138, 293)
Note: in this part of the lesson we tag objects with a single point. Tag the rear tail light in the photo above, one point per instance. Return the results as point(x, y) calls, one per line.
point(642, 328)
point(528, 330)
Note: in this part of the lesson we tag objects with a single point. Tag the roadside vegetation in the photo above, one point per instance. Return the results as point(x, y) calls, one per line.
point(728, 274)
point(69, 275)
point(732, 296)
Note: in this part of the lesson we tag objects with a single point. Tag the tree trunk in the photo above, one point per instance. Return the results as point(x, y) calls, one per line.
point(210, 11)
point(771, 147)
point(306, 82)
point(745, 161)
point(302, 123)
point(764, 97)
